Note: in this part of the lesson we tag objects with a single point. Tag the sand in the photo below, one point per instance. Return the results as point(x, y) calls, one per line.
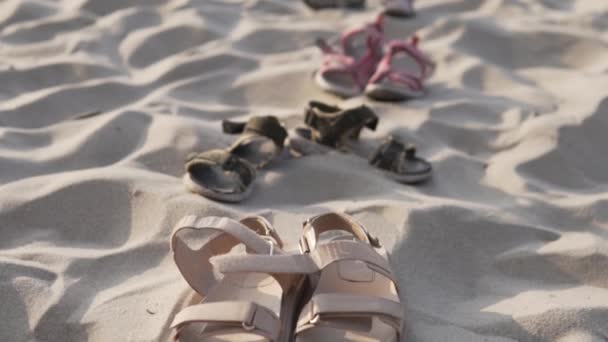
point(101, 101)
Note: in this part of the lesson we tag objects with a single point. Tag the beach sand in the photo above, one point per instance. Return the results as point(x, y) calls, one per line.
point(102, 100)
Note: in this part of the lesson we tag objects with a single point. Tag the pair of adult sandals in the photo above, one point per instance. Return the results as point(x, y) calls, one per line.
point(338, 288)
point(363, 63)
point(228, 175)
point(400, 8)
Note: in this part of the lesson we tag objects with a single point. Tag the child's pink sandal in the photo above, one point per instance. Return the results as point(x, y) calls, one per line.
point(394, 80)
point(347, 68)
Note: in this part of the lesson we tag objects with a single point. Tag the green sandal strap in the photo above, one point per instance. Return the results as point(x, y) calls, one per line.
point(333, 125)
point(391, 154)
point(267, 126)
point(226, 161)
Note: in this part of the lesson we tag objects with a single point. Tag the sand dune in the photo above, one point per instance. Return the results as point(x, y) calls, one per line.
point(101, 101)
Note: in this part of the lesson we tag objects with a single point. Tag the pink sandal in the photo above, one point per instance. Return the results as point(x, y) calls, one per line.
point(394, 80)
point(347, 68)
point(399, 8)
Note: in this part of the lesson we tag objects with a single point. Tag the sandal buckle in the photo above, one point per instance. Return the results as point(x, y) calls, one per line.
point(249, 324)
point(271, 242)
point(303, 244)
point(247, 327)
point(374, 241)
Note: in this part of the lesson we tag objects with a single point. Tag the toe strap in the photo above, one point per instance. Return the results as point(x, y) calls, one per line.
point(224, 160)
point(337, 310)
point(392, 154)
point(230, 316)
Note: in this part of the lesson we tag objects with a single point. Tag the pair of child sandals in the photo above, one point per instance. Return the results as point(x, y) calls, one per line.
point(338, 288)
point(362, 63)
point(228, 175)
point(333, 127)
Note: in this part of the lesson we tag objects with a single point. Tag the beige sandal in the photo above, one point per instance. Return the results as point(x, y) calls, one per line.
point(356, 296)
point(244, 305)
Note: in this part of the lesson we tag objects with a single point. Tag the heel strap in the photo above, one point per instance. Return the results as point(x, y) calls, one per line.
point(333, 127)
point(194, 264)
point(267, 126)
point(315, 226)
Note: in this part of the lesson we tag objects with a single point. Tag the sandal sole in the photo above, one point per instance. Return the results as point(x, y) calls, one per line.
point(333, 88)
point(199, 189)
point(383, 92)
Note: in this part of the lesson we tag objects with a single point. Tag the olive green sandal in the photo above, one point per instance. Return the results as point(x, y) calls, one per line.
point(330, 127)
point(228, 175)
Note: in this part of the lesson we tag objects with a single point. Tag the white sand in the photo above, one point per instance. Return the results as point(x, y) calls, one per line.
point(508, 242)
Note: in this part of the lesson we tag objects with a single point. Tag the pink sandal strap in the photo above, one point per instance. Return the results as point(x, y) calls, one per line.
point(361, 70)
point(340, 63)
point(385, 69)
point(406, 79)
point(427, 66)
point(374, 30)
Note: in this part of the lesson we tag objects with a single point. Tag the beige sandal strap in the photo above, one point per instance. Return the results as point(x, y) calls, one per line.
point(334, 251)
point(261, 226)
point(194, 264)
point(277, 264)
point(316, 260)
point(230, 315)
point(318, 225)
point(335, 305)
point(285, 269)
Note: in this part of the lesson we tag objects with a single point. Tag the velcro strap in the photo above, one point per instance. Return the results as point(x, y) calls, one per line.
point(213, 157)
point(312, 112)
point(230, 314)
point(319, 258)
point(360, 116)
point(338, 305)
point(223, 159)
point(391, 154)
point(272, 264)
point(330, 252)
point(333, 127)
